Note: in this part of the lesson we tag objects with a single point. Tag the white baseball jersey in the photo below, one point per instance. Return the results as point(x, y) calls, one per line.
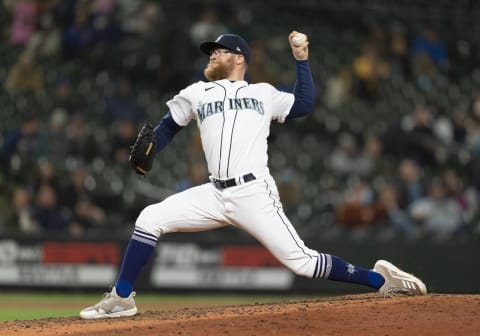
point(234, 121)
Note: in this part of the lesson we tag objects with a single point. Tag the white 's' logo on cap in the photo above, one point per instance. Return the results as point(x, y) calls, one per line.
point(219, 38)
point(238, 49)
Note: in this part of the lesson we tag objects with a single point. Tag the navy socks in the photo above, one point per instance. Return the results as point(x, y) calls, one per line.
point(136, 256)
point(139, 252)
point(346, 272)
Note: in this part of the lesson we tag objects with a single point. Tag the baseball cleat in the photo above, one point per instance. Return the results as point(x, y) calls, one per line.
point(398, 281)
point(111, 306)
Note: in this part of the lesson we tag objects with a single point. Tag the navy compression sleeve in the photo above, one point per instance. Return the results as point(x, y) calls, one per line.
point(165, 131)
point(304, 91)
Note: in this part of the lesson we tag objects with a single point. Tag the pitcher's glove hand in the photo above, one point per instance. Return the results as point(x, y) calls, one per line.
point(143, 150)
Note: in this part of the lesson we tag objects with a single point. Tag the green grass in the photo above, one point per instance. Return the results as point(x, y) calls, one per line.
point(31, 314)
point(27, 306)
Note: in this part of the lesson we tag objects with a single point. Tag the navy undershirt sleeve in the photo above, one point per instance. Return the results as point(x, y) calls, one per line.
point(303, 90)
point(165, 131)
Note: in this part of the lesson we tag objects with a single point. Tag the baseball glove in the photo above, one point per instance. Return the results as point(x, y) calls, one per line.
point(143, 150)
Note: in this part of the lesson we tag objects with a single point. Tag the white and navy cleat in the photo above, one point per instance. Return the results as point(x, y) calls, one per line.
point(111, 306)
point(398, 282)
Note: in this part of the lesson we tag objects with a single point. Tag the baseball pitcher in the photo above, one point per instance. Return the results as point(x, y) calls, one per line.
point(234, 119)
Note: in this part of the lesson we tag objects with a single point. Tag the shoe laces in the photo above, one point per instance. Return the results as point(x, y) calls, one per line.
point(106, 298)
point(107, 295)
point(392, 291)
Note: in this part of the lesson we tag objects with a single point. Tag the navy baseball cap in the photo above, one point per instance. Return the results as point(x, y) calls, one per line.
point(231, 42)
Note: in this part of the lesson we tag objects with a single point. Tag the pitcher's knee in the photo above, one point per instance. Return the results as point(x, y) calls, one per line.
point(306, 270)
point(146, 221)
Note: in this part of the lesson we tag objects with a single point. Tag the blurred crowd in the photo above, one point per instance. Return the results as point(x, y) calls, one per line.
point(71, 132)
point(416, 177)
point(86, 74)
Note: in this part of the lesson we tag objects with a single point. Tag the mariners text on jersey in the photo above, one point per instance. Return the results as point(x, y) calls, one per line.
point(210, 108)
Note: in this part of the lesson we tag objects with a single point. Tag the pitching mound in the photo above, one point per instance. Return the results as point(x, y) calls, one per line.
point(347, 315)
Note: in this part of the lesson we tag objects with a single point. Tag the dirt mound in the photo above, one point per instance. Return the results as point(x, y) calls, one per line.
point(346, 315)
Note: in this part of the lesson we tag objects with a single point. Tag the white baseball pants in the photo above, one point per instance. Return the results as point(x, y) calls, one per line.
point(253, 207)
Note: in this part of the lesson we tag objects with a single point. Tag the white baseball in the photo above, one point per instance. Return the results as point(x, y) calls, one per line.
point(298, 39)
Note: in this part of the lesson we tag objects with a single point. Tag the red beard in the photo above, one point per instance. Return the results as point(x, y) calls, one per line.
point(221, 71)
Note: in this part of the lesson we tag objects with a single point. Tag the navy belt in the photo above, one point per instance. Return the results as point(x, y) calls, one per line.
point(223, 184)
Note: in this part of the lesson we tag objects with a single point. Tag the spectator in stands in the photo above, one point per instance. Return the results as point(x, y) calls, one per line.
point(347, 159)
point(46, 41)
point(22, 215)
point(207, 27)
point(86, 216)
point(378, 36)
point(338, 88)
point(24, 20)
point(64, 12)
point(107, 31)
point(178, 64)
point(81, 139)
point(124, 137)
point(360, 209)
point(370, 159)
point(64, 98)
point(439, 215)
point(421, 143)
point(103, 7)
point(127, 11)
point(465, 196)
point(25, 76)
point(460, 128)
point(45, 173)
point(473, 126)
point(80, 202)
point(428, 50)
point(429, 58)
point(399, 54)
point(393, 216)
point(75, 187)
point(26, 141)
point(46, 212)
point(57, 136)
point(369, 70)
point(442, 127)
point(410, 184)
point(123, 105)
point(259, 69)
point(145, 28)
point(79, 38)
point(343, 157)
